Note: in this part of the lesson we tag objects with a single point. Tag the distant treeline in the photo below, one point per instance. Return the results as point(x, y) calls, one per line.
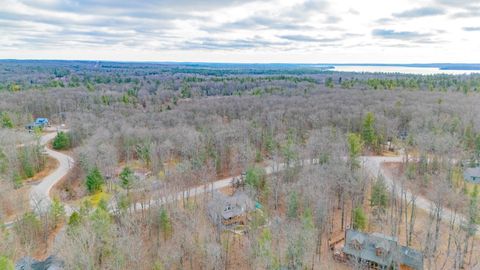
point(203, 79)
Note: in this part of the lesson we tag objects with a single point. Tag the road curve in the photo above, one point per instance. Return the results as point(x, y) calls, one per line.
point(201, 189)
point(40, 200)
point(373, 165)
point(40, 193)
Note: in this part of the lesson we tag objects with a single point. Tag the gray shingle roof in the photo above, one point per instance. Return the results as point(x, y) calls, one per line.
point(28, 263)
point(391, 252)
point(225, 207)
point(411, 257)
point(368, 250)
point(472, 175)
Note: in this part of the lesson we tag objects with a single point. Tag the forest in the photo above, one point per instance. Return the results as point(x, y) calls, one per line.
point(300, 141)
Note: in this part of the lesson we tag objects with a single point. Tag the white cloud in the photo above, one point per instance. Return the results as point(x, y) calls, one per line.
point(240, 31)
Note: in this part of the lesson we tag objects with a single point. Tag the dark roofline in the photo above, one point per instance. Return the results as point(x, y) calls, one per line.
point(400, 254)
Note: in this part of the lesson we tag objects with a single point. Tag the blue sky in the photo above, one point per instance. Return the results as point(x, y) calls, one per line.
point(301, 31)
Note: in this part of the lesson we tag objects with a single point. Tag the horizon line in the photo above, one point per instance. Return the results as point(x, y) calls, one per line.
point(239, 63)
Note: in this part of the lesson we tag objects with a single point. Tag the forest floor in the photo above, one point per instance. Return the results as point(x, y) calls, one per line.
point(442, 260)
point(16, 203)
point(50, 165)
point(422, 222)
point(444, 257)
point(239, 248)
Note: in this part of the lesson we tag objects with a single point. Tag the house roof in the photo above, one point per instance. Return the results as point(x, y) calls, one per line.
point(369, 245)
point(392, 253)
point(226, 207)
point(360, 238)
point(411, 257)
point(383, 244)
point(383, 236)
point(41, 120)
point(28, 263)
point(471, 174)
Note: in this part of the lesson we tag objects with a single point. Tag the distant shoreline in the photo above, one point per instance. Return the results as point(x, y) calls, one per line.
point(405, 69)
point(441, 66)
point(427, 69)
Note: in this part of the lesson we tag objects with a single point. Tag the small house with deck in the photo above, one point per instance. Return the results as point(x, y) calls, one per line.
point(232, 210)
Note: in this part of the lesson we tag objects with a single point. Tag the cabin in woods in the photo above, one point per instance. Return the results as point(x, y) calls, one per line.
point(39, 122)
point(378, 251)
point(472, 175)
point(232, 210)
point(28, 263)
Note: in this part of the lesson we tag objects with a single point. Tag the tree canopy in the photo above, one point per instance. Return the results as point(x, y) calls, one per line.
point(61, 141)
point(94, 181)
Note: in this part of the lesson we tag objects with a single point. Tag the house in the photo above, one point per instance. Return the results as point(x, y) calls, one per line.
point(410, 258)
point(39, 122)
point(472, 175)
point(232, 210)
point(402, 134)
point(28, 263)
point(378, 251)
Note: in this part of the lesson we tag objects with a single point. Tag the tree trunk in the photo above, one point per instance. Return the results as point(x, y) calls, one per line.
point(465, 251)
point(343, 213)
point(438, 216)
point(449, 241)
point(412, 221)
point(406, 218)
point(471, 251)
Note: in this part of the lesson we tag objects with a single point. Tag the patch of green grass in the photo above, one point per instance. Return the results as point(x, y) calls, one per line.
point(459, 181)
point(6, 264)
point(97, 197)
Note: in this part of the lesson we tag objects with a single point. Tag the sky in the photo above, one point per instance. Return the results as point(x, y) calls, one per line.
point(243, 31)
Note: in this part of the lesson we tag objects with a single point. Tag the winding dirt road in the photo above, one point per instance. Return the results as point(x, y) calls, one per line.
point(373, 164)
point(199, 190)
point(40, 200)
point(40, 193)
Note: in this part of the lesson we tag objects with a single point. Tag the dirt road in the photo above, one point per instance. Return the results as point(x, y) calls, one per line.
point(40, 199)
point(40, 193)
point(373, 165)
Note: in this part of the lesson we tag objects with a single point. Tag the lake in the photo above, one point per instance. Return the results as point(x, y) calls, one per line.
point(401, 69)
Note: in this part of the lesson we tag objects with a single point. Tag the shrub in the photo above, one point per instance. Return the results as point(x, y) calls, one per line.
point(126, 178)
point(75, 219)
point(61, 141)
point(359, 219)
point(94, 181)
point(255, 178)
point(6, 263)
point(165, 223)
point(292, 211)
point(379, 195)
point(57, 211)
point(6, 120)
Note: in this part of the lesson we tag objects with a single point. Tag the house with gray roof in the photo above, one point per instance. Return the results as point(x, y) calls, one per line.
point(28, 263)
point(411, 257)
point(226, 210)
point(472, 175)
point(378, 251)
